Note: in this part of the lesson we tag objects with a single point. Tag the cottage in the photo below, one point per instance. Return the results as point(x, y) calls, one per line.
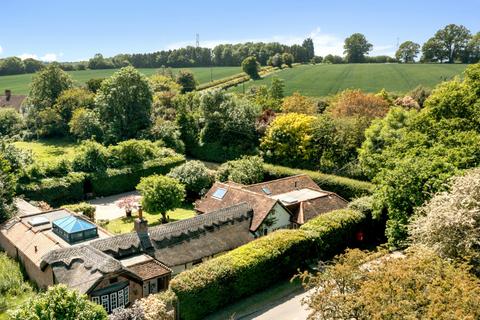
point(283, 203)
point(11, 101)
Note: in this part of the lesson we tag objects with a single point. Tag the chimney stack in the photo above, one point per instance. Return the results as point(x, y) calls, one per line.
point(8, 94)
point(140, 224)
point(140, 212)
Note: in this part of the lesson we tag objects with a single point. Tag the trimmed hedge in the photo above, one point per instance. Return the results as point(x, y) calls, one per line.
point(55, 191)
point(262, 262)
point(114, 181)
point(345, 187)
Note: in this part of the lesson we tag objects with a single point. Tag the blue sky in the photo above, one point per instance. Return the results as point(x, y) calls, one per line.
point(71, 30)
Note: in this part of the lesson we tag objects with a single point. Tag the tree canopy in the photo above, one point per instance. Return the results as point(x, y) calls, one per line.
point(356, 47)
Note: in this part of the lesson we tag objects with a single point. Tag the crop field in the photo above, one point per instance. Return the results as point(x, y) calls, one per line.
point(19, 84)
point(324, 80)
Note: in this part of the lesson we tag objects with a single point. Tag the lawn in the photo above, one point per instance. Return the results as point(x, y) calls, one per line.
point(19, 84)
point(124, 225)
point(324, 80)
point(49, 150)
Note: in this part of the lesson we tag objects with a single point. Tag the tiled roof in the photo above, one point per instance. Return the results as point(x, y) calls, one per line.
point(260, 204)
point(14, 102)
point(284, 185)
point(149, 269)
point(309, 209)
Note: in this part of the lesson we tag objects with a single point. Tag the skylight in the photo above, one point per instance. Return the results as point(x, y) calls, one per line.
point(38, 221)
point(74, 229)
point(266, 191)
point(219, 193)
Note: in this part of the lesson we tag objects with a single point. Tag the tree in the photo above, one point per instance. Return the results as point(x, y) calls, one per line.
point(161, 194)
point(419, 285)
point(298, 104)
point(69, 101)
point(94, 84)
point(277, 89)
point(473, 49)
point(91, 157)
point(448, 44)
point(11, 122)
point(58, 302)
point(32, 65)
point(194, 175)
point(407, 52)
point(309, 47)
point(7, 190)
point(99, 62)
point(356, 103)
point(186, 80)
point(85, 124)
point(251, 67)
point(124, 102)
point(169, 133)
point(287, 59)
point(449, 223)
point(246, 170)
point(276, 60)
point(12, 65)
point(356, 47)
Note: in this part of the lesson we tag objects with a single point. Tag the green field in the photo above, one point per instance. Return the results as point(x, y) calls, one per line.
point(324, 80)
point(19, 84)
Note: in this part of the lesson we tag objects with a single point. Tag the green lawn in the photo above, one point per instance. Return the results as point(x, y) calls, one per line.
point(49, 150)
point(324, 80)
point(19, 84)
point(124, 225)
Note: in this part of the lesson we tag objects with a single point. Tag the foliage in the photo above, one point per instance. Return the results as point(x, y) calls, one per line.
point(94, 84)
point(407, 102)
point(420, 94)
point(345, 187)
point(84, 208)
point(419, 285)
point(246, 170)
point(288, 59)
point(58, 302)
point(154, 308)
point(11, 65)
point(449, 223)
point(131, 152)
point(448, 44)
point(169, 133)
point(407, 52)
point(7, 190)
point(186, 80)
point(260, 263)
point(297, 103)
point(12, 283)
point(85, 125)
point(71, 100)
point(356, 103)
point(90, 157)
point(11, 122)
point(251, 67)
point(194, 175)
point(161, 194)
point(124, 101)
point(48, 123)
point(356, 46)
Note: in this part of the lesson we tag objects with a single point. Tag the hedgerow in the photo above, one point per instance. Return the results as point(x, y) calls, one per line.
point(345, 187)
point(262, 262)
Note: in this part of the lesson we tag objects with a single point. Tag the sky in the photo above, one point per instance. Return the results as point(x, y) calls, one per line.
point(74, 30)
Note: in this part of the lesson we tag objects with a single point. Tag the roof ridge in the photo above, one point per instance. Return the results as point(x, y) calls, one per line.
point(279, 179)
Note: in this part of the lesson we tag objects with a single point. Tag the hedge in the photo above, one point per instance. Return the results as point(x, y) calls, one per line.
point(114, 181)
point(261, 263)
point(55, 191)
point(345, 187)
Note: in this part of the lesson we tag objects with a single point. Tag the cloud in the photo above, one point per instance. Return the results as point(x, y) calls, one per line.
point(48, 57)
point(378, 50)
point(1, 49)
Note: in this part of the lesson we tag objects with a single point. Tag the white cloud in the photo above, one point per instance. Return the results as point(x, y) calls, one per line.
point(48, 57)
point(378, 50)
point(24, 56)
point(1, 49)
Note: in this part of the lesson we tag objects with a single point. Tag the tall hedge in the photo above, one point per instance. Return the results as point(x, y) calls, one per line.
point(345, 187)
point(114, 181)
point(55, 191)
point(261, 263)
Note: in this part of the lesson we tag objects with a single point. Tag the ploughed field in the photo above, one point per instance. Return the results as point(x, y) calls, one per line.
point(329, 79)
point(19, 84)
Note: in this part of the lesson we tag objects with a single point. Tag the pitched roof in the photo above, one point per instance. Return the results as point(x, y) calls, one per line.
point(235, 194)
point(15, 101)
point(73, 224)
point(149, 269)
point(284, 185)
point(311, 208)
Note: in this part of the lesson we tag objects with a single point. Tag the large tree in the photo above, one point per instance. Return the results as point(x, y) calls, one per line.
point(356, 47)
point(251, 67)
point(473, 49)
point(448, 44)
point(407, 52)
point(124, 101)
point(308, 45)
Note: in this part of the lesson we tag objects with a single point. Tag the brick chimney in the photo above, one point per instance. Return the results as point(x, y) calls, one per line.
point(140, 224)
point(8, 94)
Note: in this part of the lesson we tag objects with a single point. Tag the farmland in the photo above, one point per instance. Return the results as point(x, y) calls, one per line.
point(19, 84)
point(324, 80)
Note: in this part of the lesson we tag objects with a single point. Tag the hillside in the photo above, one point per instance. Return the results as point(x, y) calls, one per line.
point(19, 83)
point(323, 80)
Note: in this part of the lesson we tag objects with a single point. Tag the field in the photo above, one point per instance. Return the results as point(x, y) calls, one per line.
point(49, 150)
point(19, 84)
point(324, 80)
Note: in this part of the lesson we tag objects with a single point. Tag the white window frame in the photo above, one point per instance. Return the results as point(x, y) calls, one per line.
point(96, 300)
point(126, 294)
point(113, 301)
point(121, 299)
point(106, 302)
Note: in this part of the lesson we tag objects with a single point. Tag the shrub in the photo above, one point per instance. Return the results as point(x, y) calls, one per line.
point(72, 99)
point(194, 175)
point(85, 124)
point(91, 157)
point(345, 187)
point(251, 67)
point(132, 152)
point(169, 133)
point(260, 263)
point(298, 104)
point(7, 190)
point(363, 204)
point(186, 80)
point(11, 122)
point(84, 208)
point(356, 103)
point(11, 280)
point(246, 170)
point(94, 84)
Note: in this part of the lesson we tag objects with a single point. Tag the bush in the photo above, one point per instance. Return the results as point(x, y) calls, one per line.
point(261, 263)
point(84, 208)
point(132, 152)
point(186, 80)
point(251, 67)
point(297, 103)
point(91, 157)
point(356, 103)
point(55, 191)
point(345, 187)
point(85, 124)
point(11, 122)
point(194, 175)
point(11, 280)
point(246, 170)
point(169, 133)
